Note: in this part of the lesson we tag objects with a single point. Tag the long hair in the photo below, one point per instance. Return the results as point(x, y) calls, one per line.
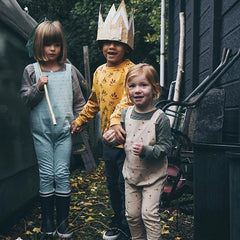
point(49, 32)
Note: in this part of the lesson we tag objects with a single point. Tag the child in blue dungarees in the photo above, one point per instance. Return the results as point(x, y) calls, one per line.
point(52, 142)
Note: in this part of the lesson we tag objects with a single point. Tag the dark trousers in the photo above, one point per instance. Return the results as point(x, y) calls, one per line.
point(114, 159)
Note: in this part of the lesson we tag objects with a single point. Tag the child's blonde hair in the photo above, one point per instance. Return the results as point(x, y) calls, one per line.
point(150, 74)
point(49, 32)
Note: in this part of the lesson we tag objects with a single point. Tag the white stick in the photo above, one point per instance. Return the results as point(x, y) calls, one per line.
point(162, 45)
point(48, 100)
point(180, 66)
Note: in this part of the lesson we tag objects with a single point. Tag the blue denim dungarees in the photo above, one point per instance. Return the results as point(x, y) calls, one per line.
point(53, 143)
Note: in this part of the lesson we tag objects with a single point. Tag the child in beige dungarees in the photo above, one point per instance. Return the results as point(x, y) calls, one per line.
point(148, 141)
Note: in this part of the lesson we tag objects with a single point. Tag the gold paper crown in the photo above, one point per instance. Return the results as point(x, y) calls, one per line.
point(116, 26)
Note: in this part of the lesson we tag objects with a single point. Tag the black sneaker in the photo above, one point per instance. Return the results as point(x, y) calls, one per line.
point(111, 234)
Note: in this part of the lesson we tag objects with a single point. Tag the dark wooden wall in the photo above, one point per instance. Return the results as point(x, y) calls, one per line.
point(211, 25)
point(19, 180)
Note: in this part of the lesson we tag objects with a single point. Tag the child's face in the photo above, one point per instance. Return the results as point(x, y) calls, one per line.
point(52, 51)
point(140, 92)
point(114, 52)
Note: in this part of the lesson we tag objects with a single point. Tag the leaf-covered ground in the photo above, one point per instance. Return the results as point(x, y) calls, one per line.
point(90, 212)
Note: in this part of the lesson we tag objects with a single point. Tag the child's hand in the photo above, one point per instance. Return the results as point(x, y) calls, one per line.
point(75, 127)
point(109, 136)
point(43, 79)
point(138, 149)
point(119, 133)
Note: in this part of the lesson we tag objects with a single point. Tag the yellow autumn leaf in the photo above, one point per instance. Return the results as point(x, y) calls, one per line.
point(87, 204)
point(36, 230)
point(74, 208)
point(164, 231)
point(89, 219)
point(71, 224)
point(170, 219)
point(93, 189)
point(80, 192)
point(74, 184)
point(95, 178)
point(177, 238)
point(28, 233)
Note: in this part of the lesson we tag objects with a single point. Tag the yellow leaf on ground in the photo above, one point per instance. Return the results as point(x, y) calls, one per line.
point(81, 192)
point(87, 204)
point(74, 208)
point(36, 230)
point(89, 219)
point(93, 189)
point(177, 238)
point(28, 233)
point(170, 219)
point(164, 231)
point(74, 184)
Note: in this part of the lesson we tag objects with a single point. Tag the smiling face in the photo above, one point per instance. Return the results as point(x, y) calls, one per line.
point(114, 52)
point(141, 93)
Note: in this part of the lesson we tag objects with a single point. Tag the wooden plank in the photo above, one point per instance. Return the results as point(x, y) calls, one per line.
point(81, 146)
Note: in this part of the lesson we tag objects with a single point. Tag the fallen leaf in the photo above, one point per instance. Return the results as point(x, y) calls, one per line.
point(164, 231)
point(36, 230)
point(81, 192)
point(74, 208)
point(87, 204)
point(89, 219)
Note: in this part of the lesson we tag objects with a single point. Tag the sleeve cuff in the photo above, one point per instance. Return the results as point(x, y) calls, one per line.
point(115, 121)
point(79, 121)
point(148, 152)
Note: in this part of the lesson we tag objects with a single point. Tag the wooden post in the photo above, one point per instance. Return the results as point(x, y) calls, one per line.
point(91, 127)
point(87, 69)
point(180, 66)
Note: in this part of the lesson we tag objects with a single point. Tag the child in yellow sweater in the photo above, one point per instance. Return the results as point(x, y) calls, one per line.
point(107, 92)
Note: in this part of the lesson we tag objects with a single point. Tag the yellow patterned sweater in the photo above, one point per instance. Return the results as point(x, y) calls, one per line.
point(107, 92)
